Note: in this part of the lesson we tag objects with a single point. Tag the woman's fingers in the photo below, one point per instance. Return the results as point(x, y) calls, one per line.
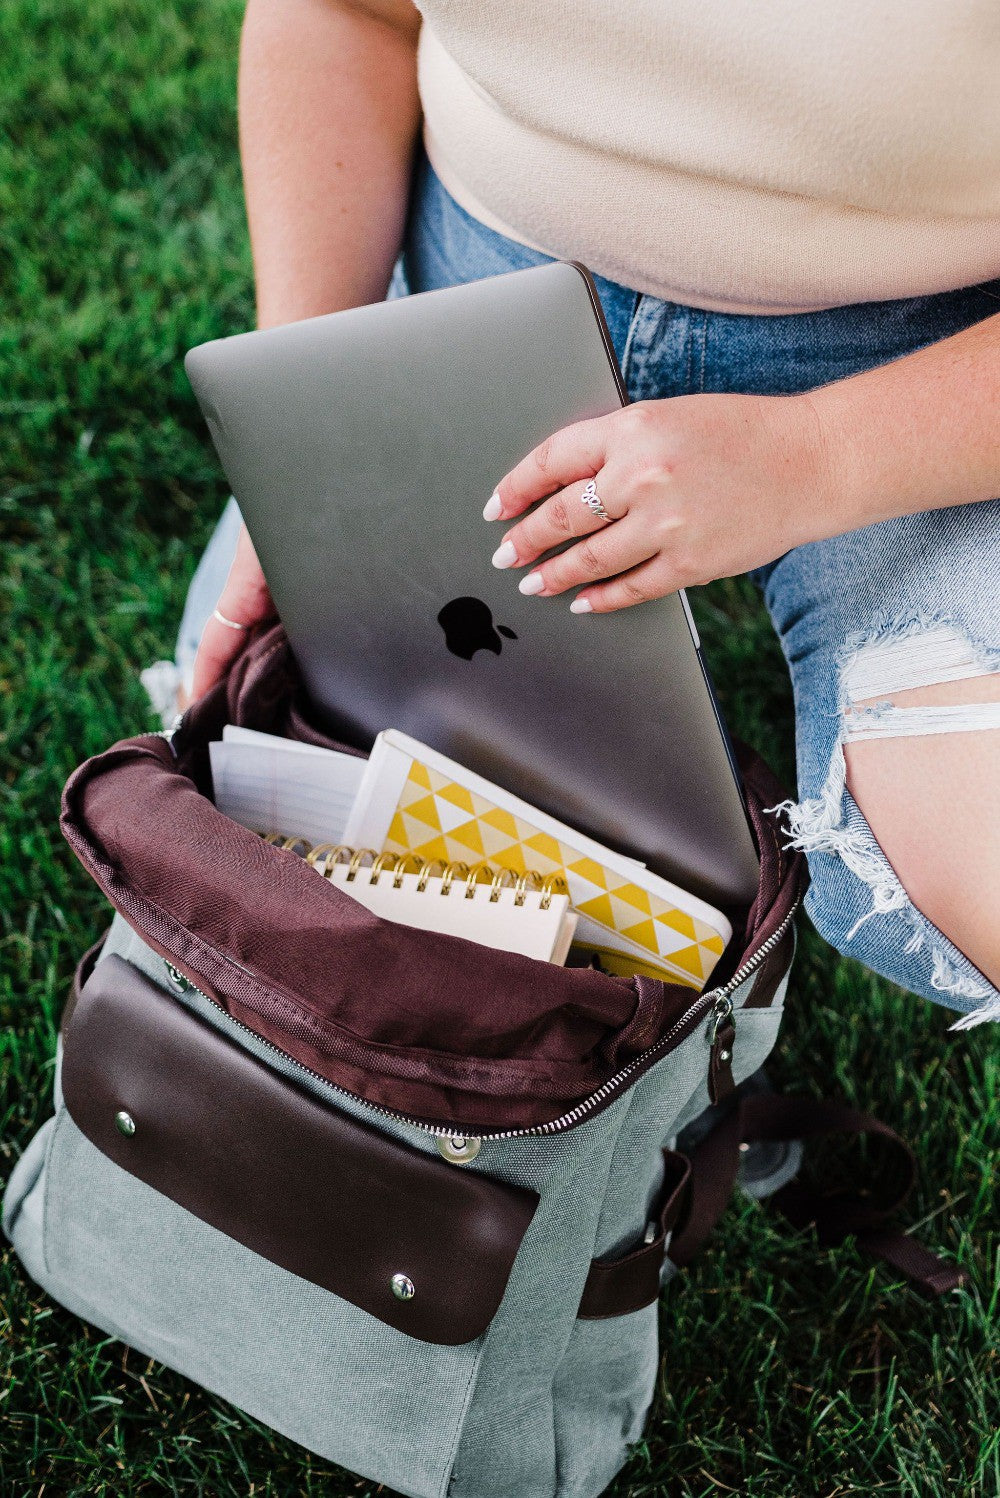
point(574, 452)
point(562, 516)
point(638, 585)
point(612, 549)
point(218, 648)
point(245, 601)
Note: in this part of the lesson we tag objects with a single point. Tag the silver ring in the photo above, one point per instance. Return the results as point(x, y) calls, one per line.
point(229, 623)
point(594, 503)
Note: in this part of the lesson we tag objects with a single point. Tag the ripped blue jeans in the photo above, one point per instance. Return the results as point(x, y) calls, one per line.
point(901, 604)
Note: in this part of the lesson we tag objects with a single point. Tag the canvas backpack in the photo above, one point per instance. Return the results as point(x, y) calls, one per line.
point(402, 1198)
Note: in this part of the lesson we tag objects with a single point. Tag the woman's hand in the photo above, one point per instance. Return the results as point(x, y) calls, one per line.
point(698, 487)
point(245, 601)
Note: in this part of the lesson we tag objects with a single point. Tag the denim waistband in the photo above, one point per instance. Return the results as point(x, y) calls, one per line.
point(696, 349)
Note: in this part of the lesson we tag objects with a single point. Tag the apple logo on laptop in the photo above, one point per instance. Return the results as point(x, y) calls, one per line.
point(468, 626)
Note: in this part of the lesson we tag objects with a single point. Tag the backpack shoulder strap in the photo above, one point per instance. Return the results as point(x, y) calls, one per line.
point(864, 1213)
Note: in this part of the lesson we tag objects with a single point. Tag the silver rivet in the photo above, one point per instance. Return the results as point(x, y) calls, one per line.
point(458, 1148)
point(125, 1123)
point(403, 1287)
point(725, 1055)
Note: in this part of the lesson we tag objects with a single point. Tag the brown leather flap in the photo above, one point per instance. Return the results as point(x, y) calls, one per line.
point(299, 1182)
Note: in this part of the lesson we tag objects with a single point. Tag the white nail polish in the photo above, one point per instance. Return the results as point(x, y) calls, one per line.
point(581, 606)
point(505, 555)
point(493, 507)
point(533, 583)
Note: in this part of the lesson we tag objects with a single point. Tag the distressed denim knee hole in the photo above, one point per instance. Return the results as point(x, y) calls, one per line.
point(896, 654)
point(917, 652)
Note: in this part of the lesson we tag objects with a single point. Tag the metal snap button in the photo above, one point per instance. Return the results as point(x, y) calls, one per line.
point(458, 1148)
point(125, 1123)
point(403, 1287)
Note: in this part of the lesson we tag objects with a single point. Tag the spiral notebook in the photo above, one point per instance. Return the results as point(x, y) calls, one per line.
point(526, 913)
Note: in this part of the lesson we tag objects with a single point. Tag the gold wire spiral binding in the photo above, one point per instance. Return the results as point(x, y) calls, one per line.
point(323, 851)
point(427, 872)
point(472, 878)
point(553, 884)
point(357, 859)
point(450, 873)
point(327, 857)
point(382, 862)
point(342, 853)
point(500, 878)
point(400, 869)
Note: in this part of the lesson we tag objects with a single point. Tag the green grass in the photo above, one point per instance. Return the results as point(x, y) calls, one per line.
point(788, 1371)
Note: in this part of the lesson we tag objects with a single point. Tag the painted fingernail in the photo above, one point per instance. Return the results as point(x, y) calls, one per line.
point(581, 606)
point(505, 555)
point(533, 583)
point(493, 508)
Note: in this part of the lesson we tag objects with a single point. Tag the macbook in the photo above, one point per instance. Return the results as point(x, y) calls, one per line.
point(362, 447)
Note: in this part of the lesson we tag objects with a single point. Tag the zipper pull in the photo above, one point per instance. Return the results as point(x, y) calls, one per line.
point(721, 1083)
point(177, 980)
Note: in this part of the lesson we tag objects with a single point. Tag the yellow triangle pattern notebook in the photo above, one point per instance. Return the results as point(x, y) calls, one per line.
point(438, 818)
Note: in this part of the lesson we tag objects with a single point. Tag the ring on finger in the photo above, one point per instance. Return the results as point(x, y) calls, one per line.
point(229, 623)
point(594, 503)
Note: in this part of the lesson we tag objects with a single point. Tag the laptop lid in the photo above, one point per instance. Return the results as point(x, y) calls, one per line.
point(361, 447)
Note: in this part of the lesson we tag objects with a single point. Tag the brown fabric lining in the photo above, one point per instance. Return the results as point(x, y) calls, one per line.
point(427, 1025)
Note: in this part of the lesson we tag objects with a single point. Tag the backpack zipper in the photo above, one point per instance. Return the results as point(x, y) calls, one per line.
point(717, 998)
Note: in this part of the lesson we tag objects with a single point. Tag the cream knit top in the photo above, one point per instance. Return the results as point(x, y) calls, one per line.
point(740, 155)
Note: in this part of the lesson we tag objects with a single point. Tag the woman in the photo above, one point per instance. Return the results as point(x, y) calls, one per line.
point(794, 221)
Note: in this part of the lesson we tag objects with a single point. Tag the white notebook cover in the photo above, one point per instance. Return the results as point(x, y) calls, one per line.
point(528, 928)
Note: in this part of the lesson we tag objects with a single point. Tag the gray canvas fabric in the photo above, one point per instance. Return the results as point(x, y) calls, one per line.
point(541, 1406)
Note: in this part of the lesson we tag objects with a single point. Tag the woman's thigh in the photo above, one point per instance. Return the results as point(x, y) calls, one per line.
point(896, 606)
point(871, 623)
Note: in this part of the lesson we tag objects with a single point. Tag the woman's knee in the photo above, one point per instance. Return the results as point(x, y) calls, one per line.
point(858, 903)
point(903, 832)
point(922, 771)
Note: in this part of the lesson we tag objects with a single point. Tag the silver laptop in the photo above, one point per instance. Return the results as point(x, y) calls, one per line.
point(361, 447)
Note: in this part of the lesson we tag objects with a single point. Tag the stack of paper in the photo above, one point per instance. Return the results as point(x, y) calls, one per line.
point(271, 784)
